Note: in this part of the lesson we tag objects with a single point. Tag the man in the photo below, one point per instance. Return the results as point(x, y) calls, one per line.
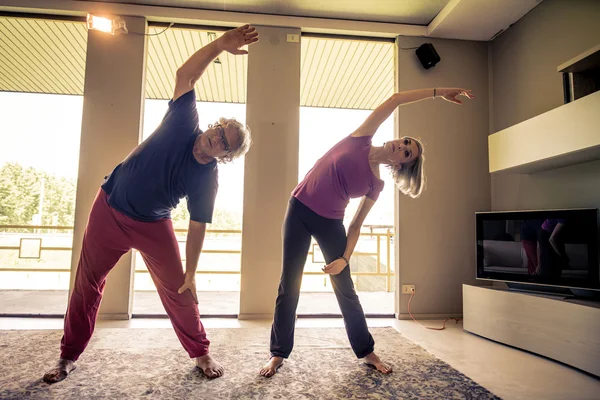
point(133, 208)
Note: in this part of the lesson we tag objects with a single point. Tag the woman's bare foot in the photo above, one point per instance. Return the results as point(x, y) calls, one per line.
point(62, 369)
point(375, 361)
point(271, 367)
point(209, 366)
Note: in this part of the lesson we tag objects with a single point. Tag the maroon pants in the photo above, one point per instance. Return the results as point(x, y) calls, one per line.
point(110, 234)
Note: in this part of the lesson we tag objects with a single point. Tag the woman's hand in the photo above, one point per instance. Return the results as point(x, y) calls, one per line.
point(451, 94)
point(554, 245)
point(233, 40)
point(335, 267)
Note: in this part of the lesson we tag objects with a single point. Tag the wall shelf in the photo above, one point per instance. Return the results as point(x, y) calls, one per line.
point(587, 60)
point(581, 74)
point(567, 135)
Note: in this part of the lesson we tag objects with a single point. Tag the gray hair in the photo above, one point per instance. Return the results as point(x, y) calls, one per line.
point(410, 179)
point(244, 139)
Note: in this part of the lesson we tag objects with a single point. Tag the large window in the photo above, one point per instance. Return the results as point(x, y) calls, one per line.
point(42, 68)
point(221, 93)
point(38, 176)
point(342, 81)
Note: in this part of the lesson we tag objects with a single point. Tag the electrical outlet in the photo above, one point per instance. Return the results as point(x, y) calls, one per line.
point(408, 289)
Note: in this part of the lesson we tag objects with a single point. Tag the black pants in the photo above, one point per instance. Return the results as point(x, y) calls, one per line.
point(551, 263)
point(300, 224)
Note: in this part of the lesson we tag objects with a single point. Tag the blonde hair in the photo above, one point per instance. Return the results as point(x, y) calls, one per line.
point(410, 179)
point(244, 139)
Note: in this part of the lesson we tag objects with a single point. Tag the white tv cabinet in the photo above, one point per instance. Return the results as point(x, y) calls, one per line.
point(565, 330)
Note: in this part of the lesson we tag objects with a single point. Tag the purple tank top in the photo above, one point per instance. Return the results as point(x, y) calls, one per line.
point(341, 174)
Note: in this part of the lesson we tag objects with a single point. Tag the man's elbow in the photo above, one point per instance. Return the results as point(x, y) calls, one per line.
point(183, 77)
point(197, 226)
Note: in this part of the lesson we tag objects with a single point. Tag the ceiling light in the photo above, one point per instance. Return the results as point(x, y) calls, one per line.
point(114, 26)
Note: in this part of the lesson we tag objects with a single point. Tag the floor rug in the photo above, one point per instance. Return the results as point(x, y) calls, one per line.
point(150, 363)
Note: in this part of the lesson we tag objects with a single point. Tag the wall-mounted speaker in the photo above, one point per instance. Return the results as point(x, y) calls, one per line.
point(427, 55)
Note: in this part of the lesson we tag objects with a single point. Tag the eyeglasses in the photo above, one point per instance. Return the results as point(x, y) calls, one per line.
point(223, 138)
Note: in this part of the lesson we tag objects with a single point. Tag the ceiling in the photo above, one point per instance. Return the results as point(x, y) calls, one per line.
point(414, 12)
point(452, 19)
point(43, 56)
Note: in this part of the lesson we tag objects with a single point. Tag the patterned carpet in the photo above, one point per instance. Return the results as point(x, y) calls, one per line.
point(149, 363)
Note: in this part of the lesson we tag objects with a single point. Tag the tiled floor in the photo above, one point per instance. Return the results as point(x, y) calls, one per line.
point(508, 372)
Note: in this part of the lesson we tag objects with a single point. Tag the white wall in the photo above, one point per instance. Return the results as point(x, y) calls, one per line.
point(525, 84)
point(437, 231)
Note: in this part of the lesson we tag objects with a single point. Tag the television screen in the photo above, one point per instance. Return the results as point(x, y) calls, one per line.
point(545, 247)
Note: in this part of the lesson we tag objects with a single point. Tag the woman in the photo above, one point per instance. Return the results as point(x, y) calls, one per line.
point(349, 170)
point(552, 255)
point(529, 241)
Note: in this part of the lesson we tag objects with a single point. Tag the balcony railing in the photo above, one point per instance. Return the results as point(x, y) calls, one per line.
point(24, 245)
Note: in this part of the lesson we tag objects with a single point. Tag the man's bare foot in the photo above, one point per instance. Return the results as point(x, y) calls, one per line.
point(271, 367)
point(62, 369)
point(209, 366)
point(375, 361)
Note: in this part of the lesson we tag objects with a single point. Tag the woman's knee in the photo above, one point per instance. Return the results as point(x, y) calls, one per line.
point(344, 286)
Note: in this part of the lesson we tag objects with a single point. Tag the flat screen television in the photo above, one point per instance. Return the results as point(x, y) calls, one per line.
point(540, 249)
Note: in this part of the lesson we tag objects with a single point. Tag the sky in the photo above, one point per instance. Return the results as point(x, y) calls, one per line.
point(42, 131)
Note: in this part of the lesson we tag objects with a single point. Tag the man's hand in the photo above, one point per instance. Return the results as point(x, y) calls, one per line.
point(232, 40)
point(189, 283)
point(335, 267)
